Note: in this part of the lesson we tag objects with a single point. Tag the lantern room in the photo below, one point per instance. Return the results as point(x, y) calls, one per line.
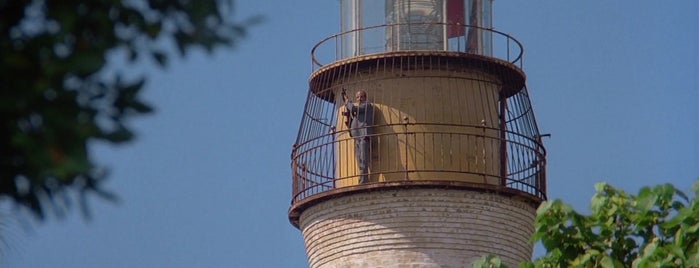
point(415, 25)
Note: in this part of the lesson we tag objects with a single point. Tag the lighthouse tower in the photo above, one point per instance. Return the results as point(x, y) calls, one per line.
point(450, 165)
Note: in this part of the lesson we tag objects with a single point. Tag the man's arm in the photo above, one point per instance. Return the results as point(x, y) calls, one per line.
point(344, 95)
point(347, 113)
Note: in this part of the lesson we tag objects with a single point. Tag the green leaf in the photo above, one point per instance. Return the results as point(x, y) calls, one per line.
point(588, 256)
point(693, 228)
point(692, 258)
point(160, 57)
point(600, 187)
point(489, 261)
point(140, 107)
point(543, 208)
point(120, 135)
point(646, 200)
point(679, 218)
point(607, 262)
point(650, 248)
point(527, 264)
point(84, 64)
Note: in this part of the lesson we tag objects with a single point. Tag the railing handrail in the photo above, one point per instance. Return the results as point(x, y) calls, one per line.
point(517, 177)
point(325, 136)
point(316, 63)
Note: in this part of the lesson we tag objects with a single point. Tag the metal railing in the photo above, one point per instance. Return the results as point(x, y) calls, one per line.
point(324, 163)
point(381, 39)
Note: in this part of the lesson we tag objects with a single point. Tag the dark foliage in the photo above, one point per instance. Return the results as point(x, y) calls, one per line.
point(55, 99)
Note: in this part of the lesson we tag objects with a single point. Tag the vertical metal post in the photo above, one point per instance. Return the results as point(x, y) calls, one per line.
point(503, 140)
point(485, 169)
point(405, 130)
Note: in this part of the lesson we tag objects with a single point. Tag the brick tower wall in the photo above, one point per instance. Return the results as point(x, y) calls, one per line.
point(418, 227)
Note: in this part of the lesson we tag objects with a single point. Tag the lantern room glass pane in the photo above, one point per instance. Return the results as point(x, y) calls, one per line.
point(375, 26)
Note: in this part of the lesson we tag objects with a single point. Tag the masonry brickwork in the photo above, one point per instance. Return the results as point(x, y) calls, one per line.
point(419, 227)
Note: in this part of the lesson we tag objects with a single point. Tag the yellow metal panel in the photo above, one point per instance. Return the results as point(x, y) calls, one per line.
point(429, 125)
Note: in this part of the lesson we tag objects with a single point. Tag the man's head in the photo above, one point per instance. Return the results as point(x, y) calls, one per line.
point(360, 96)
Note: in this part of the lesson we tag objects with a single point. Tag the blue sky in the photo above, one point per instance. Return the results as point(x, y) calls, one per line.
point(207, 183)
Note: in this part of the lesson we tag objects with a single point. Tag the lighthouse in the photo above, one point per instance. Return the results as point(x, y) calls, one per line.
point(418, 145)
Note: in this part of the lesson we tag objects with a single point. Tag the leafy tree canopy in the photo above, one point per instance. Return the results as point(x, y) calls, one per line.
point(659, 227)
point(55, 98)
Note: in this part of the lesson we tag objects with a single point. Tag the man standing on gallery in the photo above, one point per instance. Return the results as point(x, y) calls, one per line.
point(362, 116)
